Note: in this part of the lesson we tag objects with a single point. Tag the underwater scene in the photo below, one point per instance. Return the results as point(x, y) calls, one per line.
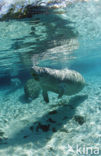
point(50, 77)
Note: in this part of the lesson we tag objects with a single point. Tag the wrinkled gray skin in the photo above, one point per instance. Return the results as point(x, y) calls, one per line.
point(62, 82)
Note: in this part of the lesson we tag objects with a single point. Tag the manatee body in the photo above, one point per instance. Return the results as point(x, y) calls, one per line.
point(62, 82)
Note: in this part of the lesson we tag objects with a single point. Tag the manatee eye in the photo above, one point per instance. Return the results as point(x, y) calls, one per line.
point(36, 77)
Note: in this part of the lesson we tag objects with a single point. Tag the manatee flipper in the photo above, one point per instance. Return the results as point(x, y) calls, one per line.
point(45, 96)
point(61, 92)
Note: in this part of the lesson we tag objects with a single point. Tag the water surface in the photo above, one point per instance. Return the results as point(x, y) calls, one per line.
point(66, 38)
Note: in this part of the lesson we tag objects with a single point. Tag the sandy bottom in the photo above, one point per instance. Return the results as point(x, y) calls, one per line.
point(64, 127)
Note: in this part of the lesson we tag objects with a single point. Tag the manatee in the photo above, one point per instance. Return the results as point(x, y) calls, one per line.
point(63, 82)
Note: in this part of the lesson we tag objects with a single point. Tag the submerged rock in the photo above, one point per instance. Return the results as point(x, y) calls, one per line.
point(53, 112)
point(31, 89)
point(25, 136)
point(79, 119)
point(51, 120)
point(43, 127)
